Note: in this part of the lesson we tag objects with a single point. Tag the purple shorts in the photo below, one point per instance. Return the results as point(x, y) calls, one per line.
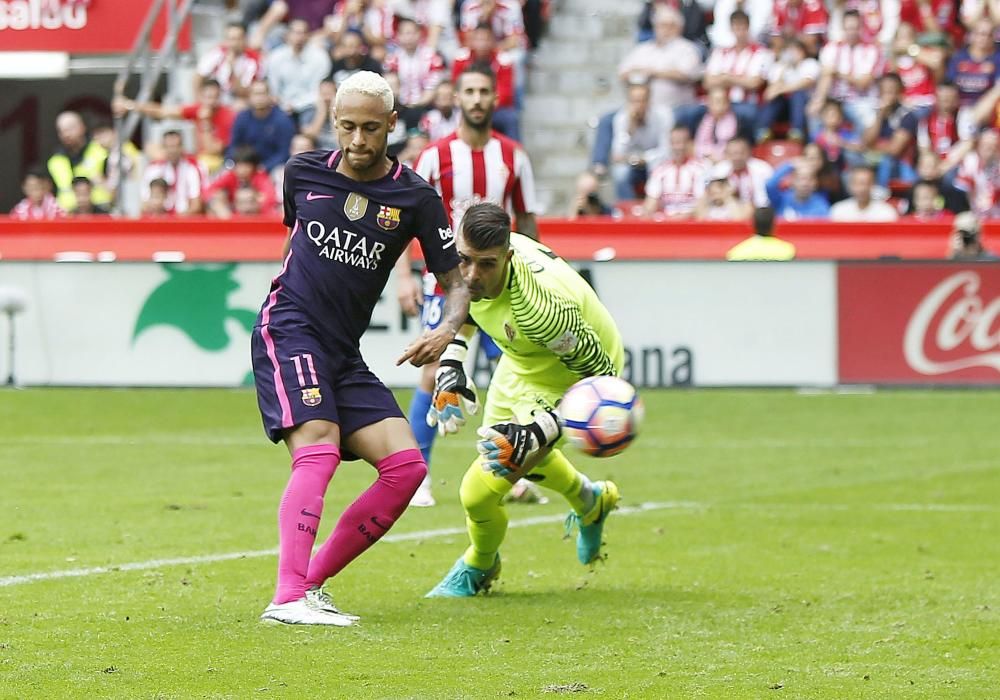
point(299, 379)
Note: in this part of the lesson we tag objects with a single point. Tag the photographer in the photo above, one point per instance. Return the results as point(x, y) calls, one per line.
point(965, 239)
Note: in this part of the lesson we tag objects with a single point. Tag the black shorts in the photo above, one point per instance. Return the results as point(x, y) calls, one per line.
point(299, 379)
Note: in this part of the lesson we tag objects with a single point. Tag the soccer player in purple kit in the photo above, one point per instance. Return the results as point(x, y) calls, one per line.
point(351, 212)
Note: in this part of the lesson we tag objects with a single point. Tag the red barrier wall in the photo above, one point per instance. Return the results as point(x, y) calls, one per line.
point(202, 239)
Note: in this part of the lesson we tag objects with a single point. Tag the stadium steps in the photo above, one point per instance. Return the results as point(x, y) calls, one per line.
point(571, 83)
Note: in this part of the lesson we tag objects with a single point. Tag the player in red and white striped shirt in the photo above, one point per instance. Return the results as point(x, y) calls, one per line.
point(184, 175)
point(231, 64)
point(474, 164)
point(419, 67)
point(742, 67)
point(675, 185)
point(39, 204)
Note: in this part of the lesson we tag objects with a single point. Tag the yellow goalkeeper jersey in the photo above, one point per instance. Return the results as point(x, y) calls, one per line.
point(548, 321)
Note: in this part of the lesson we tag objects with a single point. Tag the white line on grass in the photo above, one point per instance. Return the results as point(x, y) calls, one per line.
point(253, 554)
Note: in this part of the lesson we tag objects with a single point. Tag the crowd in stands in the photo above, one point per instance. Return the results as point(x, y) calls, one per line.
point(266, 92)
point(848, 110)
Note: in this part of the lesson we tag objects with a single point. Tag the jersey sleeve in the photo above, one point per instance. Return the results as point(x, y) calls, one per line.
point(426, 165)
point(437, 240)
point(524, 187)
point(551, 321)
point(288, 195)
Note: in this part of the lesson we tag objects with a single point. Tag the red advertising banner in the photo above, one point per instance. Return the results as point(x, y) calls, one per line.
point(79, 26)
point(912, 323)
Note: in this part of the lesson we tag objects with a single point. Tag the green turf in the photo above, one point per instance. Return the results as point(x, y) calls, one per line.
point(827, 546)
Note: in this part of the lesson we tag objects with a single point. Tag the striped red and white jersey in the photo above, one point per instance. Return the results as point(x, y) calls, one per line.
point(677, 186)
point(855, 61)
point(244, 70)
point(499, 173)
point(750, 61)
point(981, 182)
point(186, 181)
point(418, 72)
point(751, 182)
point(437, 126)
point(49, 208)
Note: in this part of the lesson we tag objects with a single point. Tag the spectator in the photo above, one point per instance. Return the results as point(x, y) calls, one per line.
point(294, 71)
point(300, 144)
point(503, 17)
point(184, 177)
point(371, 18)
point(38, 204)
point(966, 240)
point(107, 137)
point(927, 203)
point(213, 120)
point(482, 49)
point(670, 64)
point(974, 68)
point(849, 69)
point(879, 19)
point(416, 142)
point(323, 129)
point(801, 201)
point(893, 134)
point(587, 201)
point(693, 12)
point(263, 126)
point(420, 68)
point(918, 66)
point(717, 127)
point(763, 244)
point(931, 16)
point(759, 11)
point(408, 117)
point(314, 12)
point(930, 169)
point(938, 130)
point(434, 19)
point(719, 201)
point(838, 139)
point(677, 183)
point(77, 156)
point(155, 201)
point(829, 181)
point(232, 65)
point(805, 20)
point(442, 118)
point(630, 141)
point(979, 176)
point(749, 175)
point(742, 69)
point(83, 190)
point(246, 173)
point(860, 206)
point(350, 56)
point(789, 82)
point(246, 202)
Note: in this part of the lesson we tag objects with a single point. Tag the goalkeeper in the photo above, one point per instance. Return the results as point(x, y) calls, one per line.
point(553, 331)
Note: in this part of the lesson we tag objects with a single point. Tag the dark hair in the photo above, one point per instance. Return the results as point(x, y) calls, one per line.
point(159, 183)
point(238, 25)
point(741, 138)
point(853, 13)
point(682, 127)
point(739, 16)
point(81, 180)
point(36, 171)
point(831, 102)
point(479, 68)
point(763, 221)
point(863, 167)
point(486, 225)
point(400, 21)
point(484, 25)
point(946, 84)
point(246, 154)
point(172, 132)
point(894, 77)
point(211, 82)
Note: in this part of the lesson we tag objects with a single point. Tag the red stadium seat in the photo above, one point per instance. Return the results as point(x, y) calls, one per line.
point(775, 152)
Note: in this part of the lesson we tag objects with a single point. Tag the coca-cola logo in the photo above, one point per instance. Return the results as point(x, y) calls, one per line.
point(958, 326)
point(21, 15)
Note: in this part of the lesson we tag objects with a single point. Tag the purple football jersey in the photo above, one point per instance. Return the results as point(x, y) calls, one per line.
point(346, 237)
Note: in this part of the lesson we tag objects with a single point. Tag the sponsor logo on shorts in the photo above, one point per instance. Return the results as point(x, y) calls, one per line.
point(355, 206)
point(312, 397)
point(388, 217)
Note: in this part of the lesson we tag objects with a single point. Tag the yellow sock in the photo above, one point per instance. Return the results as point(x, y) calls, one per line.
point(485, 516)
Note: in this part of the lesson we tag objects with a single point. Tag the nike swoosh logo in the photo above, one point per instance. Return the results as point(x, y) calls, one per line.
point(375, 520)
point(308, 514)
point(311, 196)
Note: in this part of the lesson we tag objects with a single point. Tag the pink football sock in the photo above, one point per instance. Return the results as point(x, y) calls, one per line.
point(370, 516)
point(298, 516)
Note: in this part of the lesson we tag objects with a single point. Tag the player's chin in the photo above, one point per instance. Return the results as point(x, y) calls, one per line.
point(361, 161)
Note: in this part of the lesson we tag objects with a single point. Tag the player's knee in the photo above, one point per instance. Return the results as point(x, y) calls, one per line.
point(478, 501)
point(404, 470)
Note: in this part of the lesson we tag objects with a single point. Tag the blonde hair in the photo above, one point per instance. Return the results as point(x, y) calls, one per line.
point(369, 84)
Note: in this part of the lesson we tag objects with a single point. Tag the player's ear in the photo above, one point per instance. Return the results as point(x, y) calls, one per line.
point(393, 116)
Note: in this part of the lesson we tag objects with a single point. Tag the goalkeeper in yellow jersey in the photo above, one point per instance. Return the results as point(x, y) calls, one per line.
point(553, 331)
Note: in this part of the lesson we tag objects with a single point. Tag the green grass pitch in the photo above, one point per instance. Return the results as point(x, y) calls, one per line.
point(798, 546)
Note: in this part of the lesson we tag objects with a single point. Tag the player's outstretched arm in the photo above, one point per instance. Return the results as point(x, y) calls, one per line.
point(430, 346)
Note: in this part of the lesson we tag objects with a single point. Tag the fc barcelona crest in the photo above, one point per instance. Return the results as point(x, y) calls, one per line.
point(355, 206)
point(311, 396)
point(388, 217)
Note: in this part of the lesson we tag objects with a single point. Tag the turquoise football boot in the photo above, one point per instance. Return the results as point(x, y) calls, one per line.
point(464, 581)
point(588, 540)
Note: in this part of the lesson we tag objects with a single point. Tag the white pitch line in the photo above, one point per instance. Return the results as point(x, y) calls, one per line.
point(254, 554)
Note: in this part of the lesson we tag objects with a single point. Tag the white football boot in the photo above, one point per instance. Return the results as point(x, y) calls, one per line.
point(303, 612)
point(423, 498)
point(322, 600)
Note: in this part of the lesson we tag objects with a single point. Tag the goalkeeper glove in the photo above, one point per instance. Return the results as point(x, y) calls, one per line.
point(507, 447)
point(454, 392)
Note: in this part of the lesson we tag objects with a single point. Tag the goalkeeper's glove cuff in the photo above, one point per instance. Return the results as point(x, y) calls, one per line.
point(545, 427)
point(454, 355)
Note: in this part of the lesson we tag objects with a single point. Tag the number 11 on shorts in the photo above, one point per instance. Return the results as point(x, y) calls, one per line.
point(307, 359)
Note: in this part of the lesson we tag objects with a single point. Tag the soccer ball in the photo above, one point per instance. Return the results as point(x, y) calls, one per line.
point(601, 415)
